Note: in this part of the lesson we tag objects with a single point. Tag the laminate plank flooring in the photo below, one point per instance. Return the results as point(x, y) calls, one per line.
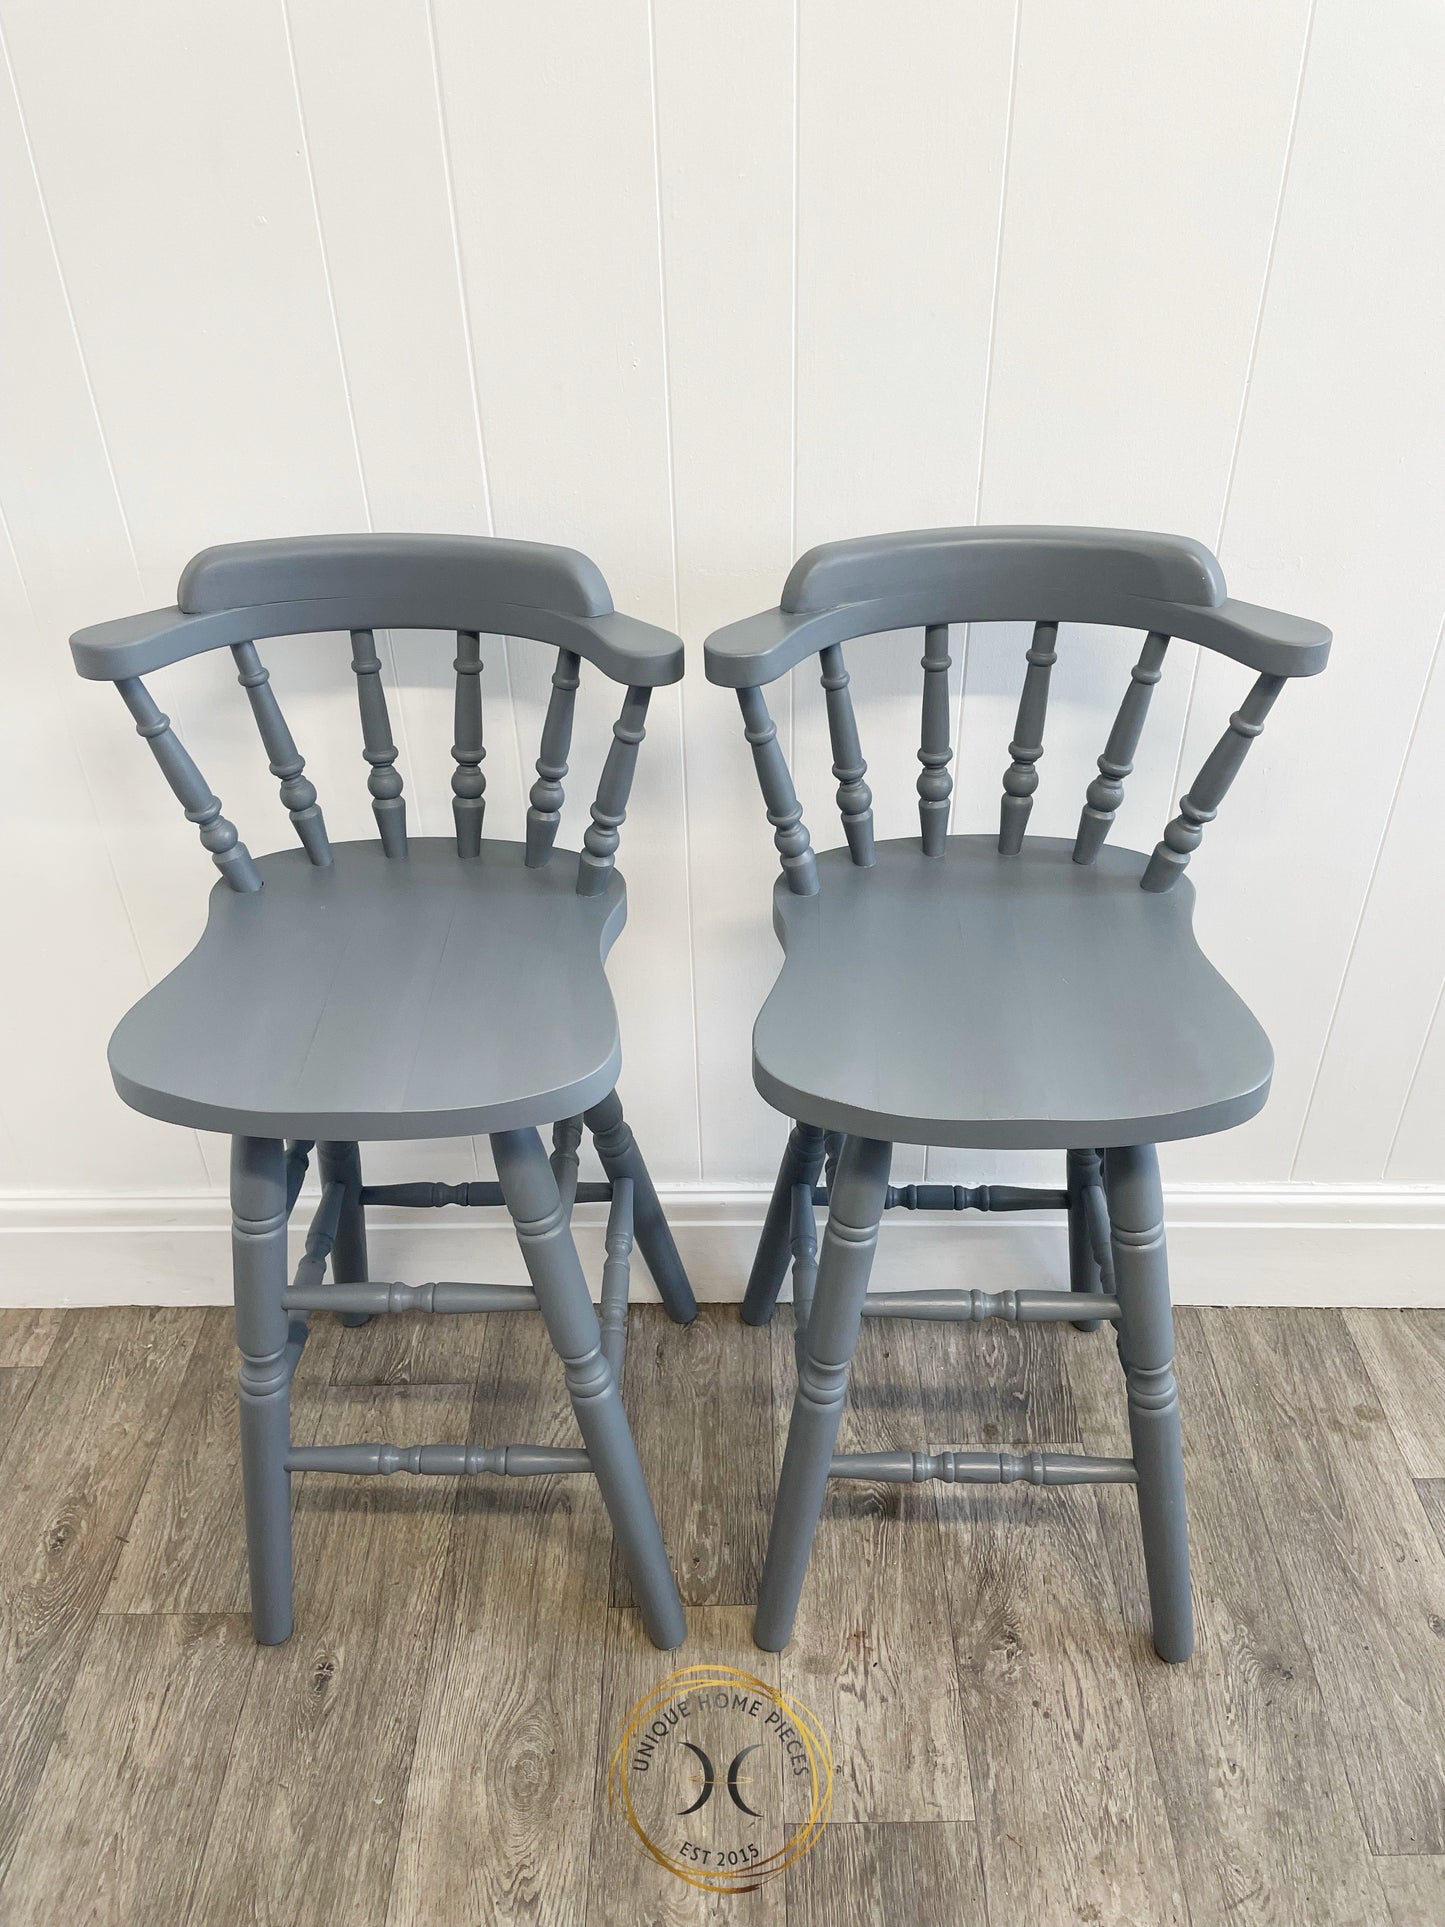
point(432, 1745)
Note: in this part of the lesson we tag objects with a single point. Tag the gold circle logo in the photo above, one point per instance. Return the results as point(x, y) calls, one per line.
point(700, 1775)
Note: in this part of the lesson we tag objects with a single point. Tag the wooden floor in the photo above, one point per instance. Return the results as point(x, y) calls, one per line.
point(432, 1744)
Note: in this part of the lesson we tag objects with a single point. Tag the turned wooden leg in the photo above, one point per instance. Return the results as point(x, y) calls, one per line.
point(828, 1345)
point(258, 1259)
point(1088, 1230)
point(802, 1161)
point(342, 1163)
point(556, 1274)
point(621, 1158)
point(1146, 1351)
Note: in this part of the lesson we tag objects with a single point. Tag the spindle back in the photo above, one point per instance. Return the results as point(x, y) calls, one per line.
point(234, 596)
point(1164, 585)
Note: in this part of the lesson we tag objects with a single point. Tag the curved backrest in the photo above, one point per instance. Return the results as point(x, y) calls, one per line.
point(235, 595)
point(1165, 585)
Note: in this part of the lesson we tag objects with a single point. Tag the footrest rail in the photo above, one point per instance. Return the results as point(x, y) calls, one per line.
point(379, 1297)
point(983, 1468)
point(438, 1461)
point(974, 1307)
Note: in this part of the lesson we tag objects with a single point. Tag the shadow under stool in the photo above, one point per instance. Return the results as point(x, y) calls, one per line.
point(1001, 992)
point(406, 988)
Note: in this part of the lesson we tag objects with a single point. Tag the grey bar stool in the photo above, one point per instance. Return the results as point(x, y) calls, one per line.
point(406, 988)
point(997, 991)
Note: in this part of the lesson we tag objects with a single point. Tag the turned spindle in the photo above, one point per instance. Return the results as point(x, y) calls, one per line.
point(609, 809)
point(1106, 792)
point(935, 785)
point(388, 805)
point(1021, 778)
point(785, 812)
point(1201, 805)
point(855, 799)
point(544, 811)
point(192, 791)
point(287, 763)
point(469, 785)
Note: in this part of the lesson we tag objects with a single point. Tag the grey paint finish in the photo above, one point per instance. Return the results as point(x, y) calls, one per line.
point(477, 987)
point(310, 584)
point(929, 576)
point(418, 988)
point(1066, 988)
point(258, 1247)
point(572, 1324)
point(1146, 1351)
point(1023, 993)
point(828, 1343)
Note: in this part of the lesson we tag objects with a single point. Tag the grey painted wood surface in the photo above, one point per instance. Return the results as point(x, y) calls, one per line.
point(1106, 792)
point(1066, 987)
point(855, 799)
point(388, 805)
point(469, 784)
point(1119, 577)
point(298, 792)
point(299, 585)
point(391, 952)
point(935, 785)
point(404, 1726)
point(1021, 778)
point(192, 791)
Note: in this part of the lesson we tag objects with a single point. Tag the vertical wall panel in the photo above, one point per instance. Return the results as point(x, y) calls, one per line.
point(1392, 982)
point(725, 143)
point(550, 116)
point(901, 144)
point(1338, 503)
point(1144, 174)
point(693, 290)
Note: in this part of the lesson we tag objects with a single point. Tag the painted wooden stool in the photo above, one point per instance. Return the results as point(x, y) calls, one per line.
point(407, 988)
point(1003, 991)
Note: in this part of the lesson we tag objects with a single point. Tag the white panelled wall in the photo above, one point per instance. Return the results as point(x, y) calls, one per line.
point(692, 289)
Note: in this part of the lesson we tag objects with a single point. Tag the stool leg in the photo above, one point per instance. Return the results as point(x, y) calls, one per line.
point(621, 1158)
point(828, 1345)
point(556, 1274)
point(802, 1161)
point(1146, 1352)
point(258, 1259)
point(348, 1254)
point(1084, 1272)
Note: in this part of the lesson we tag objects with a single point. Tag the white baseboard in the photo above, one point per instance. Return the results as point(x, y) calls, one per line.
point(1281, 1244)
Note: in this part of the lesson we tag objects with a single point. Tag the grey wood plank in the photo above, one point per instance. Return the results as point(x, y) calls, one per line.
point(499, 1803)
point(624, 1885)
point(16, 1382)
point(1364, 1571)
point(1260, 1810)
point(1415, 1884)
point(871, 1654)
point(411, 1348)
point(1431, 1494)
point(700, 1402)
point(120, 1818)
point(185, 1551)
point(994, 1384)
point(27, 1333)
point(71, 1475)
point(1404, 1354)
point(882, 1876)
point(1050, 1704)
point(307, 1821)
